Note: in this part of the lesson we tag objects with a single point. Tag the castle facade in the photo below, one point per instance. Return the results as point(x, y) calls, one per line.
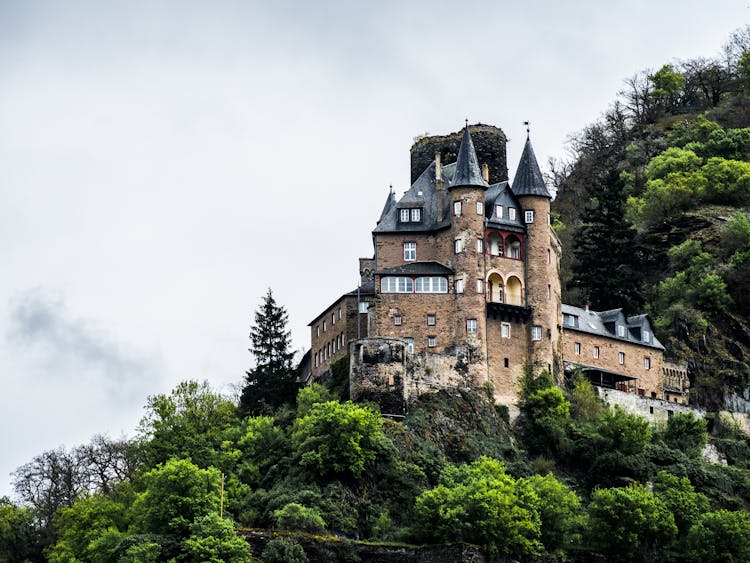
point(464, 290)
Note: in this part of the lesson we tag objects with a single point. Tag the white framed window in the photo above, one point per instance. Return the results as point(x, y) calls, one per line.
point(458, 246)
point(393, 284)
point(480, 286)
point(646, 336)
point(409, 345)
point(317, 330)
point(397, 320)
point(339, 313)
point(528, 216)
point(404, 215)
point(324, 326)
point(577, 348)
point(620, 331)
point(621, 358)
point(596, 351)
point(512, 213)
point(480, 208)
point(410, 251)
point(499, 211)
point(431, 284)
point(457, 208)
point(480, 245)
point(363, 306)
point(431, 320)
point(505, 330)
point(416, 215)
point(647, 363)
point(471, 326)
point(459, 286)
point(536, 332)
point(431, 341)
point(333, 318)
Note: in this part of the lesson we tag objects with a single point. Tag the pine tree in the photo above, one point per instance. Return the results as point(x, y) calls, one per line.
point(272, 382)
point(606, 254)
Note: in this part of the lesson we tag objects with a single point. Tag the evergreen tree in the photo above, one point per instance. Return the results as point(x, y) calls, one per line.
point(605, 254)
point(272, 382)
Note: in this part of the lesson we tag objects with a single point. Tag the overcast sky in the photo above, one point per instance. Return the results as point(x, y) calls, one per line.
point(163, 163)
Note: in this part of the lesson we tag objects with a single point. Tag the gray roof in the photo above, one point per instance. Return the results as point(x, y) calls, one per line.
point(417, 269)
point(528, 179)
point(500, 194)
point(363, 290)
point(468, 172)
point(390, 203)
point(597, 323)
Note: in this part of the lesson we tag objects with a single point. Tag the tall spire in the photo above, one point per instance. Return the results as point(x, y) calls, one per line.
point(528, 179)
point(467, 166)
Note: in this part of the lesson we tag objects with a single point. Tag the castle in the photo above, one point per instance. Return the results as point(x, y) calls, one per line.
point(464, 290)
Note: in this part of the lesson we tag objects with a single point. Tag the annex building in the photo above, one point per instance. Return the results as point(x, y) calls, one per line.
point(463, 289)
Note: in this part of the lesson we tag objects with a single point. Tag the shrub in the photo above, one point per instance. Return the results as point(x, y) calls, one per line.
point(283, 550)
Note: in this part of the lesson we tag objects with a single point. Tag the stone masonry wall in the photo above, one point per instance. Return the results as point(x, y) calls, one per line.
point(489, 143)
point(506, 380)
point(432, 247)
point(654, 410)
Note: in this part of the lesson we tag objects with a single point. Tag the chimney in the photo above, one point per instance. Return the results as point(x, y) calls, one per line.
point(586, 307)
point(439, 195)
point(486, 172)
point(438, 169)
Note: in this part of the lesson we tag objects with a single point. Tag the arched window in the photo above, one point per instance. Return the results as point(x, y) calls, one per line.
point(514, 247)
point(513, 291)
point(495, 288)
point(495, 244)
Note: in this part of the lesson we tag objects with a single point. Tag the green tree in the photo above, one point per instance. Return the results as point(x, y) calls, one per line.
point(668, 86)
point(624, 432)
point(585, 404)
point(19, 539)
point(338, 438)
point(547, 413)
point(283, 550)
point(296, 517)
point(213, 540)
point(176, 493)
point(272, 382)
point(559, 509)
point(722, 536)
point(680, 498)
point(629, 522)
point(686, 432)
point(479, 503)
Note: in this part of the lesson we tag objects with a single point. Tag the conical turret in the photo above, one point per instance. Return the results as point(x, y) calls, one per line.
point(468, 172)
point(528, 179)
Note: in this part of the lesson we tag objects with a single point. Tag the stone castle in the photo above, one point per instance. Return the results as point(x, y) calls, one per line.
point(463, 290)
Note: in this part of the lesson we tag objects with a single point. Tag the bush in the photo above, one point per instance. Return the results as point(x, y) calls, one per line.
point(722, 536)
point(283, 550)
point(686, 432)
point(296, 517)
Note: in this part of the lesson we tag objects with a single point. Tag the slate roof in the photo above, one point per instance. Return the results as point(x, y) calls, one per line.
point(596, 323)
point(501, 194)
point(468, 172)
point(417, 269)
point(367, 288)
point(528, 179)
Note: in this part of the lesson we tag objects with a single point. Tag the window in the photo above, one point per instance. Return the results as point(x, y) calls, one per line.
point(404, 216)
point(339, 313)
point(480, 245)
point(432, 284)
point(506, 362)
point(480, 208)
point(459, 286)
point(410, 251)
point(549, 292)
point(505, 331)
point(409, 345)
point(480, 286)
point(416, 215)
point(528, 216)
point(577, 348)
point(512, 213)
point(397, 320)
point(646, 363)
point(392, 284)
point(458, 245)
point(430, 320)
point(549, 256)
point(317, 330)
point(646, 336)
point(333, 318)
point(569, 320)
point(471, 326)
point(621, 358)
point(431, 341)
point(536, 332)
point(621, 331)
point(363, 306)
point(499, 211)
point(596, 351)
point(457, 208)
point(324, 326)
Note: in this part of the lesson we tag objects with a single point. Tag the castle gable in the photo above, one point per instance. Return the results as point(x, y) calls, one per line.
point(610, 324)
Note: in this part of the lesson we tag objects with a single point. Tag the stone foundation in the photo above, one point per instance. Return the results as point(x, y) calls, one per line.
point(654, 410)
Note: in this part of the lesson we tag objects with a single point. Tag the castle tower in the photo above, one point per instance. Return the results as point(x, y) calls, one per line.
point(542, 264)
point(467, 191)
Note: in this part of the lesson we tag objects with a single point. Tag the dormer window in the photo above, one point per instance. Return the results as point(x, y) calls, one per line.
point(646, 336)
point(621, 331)
point(404, 215)
point(499, 211)
point(410, 215)
point(416, 215)
point(512, 213)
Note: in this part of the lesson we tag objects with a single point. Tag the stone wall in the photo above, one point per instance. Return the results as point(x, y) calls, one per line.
point(654, 410)
point(489, 143)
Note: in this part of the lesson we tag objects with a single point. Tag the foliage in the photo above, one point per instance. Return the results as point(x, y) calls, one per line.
point(680, 498)
point(548, 413)
point(311, 395)
point(338, 438)
point(585, 404)
point(295, 517)
point(213, 540)
point(559, 510)
point(722, 536)
point(630, 522)
point(19, 538)
point(624, 432)
point(176, 493)
point(272, 382)
point(283, 550)
point(479, 503)
point(338, 382)
point(686, 432)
